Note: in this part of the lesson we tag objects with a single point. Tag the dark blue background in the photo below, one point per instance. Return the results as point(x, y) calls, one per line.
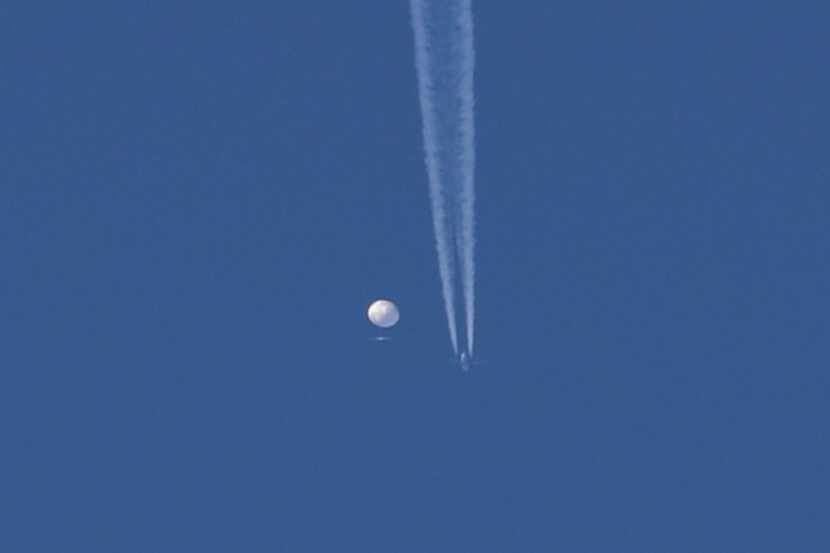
point(198, 201)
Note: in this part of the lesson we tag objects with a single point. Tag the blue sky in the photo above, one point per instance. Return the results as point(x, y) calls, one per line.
point(198, 201)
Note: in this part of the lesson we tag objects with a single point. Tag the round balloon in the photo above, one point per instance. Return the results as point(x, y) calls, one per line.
point(384, 313)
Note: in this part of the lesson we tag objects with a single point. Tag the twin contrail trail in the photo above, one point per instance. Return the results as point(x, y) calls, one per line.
point(444, 61)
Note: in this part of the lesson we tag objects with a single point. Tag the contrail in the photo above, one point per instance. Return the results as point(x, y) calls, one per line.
point(444, 61)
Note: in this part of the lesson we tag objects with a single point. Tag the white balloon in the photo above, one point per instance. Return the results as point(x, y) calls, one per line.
point(384, 313)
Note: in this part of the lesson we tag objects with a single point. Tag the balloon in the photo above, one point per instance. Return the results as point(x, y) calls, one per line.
point(384, 313)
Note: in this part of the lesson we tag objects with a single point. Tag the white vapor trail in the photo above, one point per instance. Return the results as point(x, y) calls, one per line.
point(444, 61)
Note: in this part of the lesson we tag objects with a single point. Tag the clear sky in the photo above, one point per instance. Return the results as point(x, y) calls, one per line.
point(198, 200)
